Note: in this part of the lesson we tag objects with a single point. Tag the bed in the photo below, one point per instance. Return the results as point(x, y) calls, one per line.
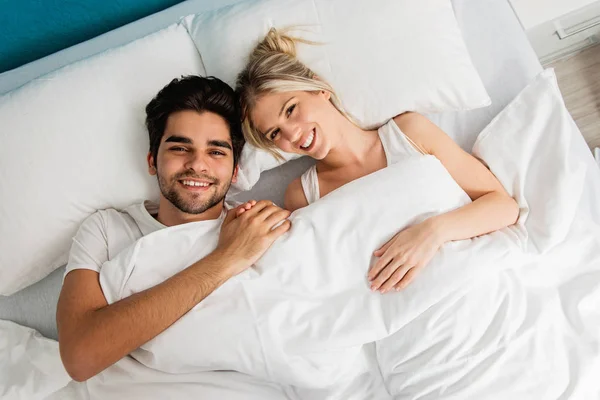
point(496, 42)
point(494, 38)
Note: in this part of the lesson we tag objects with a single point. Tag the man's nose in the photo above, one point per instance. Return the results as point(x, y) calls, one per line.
point(197, 162)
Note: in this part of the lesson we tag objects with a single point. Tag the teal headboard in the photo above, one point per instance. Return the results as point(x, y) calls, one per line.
point(32, 29)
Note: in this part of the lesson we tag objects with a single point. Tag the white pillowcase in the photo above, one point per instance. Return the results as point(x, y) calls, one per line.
point(531, 148)
point(73, 142)
point(382, 57)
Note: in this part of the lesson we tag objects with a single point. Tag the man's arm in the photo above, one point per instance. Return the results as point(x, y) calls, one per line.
point(94, 335)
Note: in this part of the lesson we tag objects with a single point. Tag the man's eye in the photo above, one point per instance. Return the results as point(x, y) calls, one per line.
point(217, 153)
point(274, 134)
point(290, 109)
point(178, 149)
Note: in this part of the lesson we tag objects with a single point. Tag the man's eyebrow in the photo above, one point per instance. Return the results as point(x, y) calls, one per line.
point(279, 115)
point(179, 139)
point(220, 143)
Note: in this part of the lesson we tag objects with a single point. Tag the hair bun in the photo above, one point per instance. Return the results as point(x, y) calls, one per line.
point(279, 41)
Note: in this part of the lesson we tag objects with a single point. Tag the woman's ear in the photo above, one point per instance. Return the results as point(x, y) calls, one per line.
point(325, 94)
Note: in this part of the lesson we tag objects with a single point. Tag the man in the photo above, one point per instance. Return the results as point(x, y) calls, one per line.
point(195, 144)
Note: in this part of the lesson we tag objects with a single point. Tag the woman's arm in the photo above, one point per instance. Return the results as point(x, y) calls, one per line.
point(492, 208)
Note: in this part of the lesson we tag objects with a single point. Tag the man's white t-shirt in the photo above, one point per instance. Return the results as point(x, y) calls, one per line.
point(106, 233)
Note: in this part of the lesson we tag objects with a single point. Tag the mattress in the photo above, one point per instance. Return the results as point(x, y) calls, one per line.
point(495, 40)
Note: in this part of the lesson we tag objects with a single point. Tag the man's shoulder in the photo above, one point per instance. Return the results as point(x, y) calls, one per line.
point(108, 217)
point(135, 221)
point(107, 214)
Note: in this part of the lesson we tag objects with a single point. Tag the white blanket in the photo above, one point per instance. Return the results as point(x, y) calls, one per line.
point(531, 332)
point(301, 315)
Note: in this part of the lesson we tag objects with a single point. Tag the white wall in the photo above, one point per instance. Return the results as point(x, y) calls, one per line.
point(534, 12)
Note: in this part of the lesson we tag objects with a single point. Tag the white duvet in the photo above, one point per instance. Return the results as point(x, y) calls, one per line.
point(514, 314)
point(301, 315)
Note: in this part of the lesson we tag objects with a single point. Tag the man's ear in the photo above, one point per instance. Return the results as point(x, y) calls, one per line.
point(151, 167)
point(235, 173)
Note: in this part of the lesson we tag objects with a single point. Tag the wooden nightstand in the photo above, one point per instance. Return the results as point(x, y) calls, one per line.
point(566, 36)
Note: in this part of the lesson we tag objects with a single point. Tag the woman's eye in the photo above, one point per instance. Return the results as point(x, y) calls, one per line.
point(290, 110)
point(274, 134)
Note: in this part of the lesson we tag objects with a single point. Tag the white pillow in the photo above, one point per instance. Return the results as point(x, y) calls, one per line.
point(382, 57)
point(531, 148)
point(73, 142)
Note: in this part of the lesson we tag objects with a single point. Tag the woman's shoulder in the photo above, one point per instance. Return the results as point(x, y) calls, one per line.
point(294, 195)
point(410, 120)
point(420, 131)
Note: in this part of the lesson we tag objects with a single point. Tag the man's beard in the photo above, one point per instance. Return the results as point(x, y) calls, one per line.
point(195, 205)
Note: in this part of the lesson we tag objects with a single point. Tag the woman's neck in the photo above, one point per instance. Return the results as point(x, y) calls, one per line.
point(351, 145)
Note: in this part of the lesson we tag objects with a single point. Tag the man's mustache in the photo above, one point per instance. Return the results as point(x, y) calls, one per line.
point(193, 175)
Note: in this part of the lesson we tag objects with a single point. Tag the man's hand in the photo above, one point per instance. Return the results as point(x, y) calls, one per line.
point(248, 231)
point(94, 335)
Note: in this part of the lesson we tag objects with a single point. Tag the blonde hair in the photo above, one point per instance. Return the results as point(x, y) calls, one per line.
point(273, 68)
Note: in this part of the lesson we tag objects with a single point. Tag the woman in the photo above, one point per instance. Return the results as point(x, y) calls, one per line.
point(286, 106)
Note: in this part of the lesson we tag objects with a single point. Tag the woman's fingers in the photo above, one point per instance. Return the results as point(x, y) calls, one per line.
point(395, 278)
point(386, 273)
point(407, 279)
point(386, 258)
point(382, 249)
point(378, 267)
point(244, 207)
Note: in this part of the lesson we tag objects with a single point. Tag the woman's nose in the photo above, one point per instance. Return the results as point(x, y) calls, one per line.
point(291, 133)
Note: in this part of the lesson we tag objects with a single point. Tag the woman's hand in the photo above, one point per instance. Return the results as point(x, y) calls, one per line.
point(401, 258)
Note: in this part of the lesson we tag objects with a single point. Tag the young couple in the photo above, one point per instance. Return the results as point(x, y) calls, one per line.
point(195, 126)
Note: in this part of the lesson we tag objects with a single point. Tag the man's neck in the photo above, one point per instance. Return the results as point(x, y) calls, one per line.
point(169, 215)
